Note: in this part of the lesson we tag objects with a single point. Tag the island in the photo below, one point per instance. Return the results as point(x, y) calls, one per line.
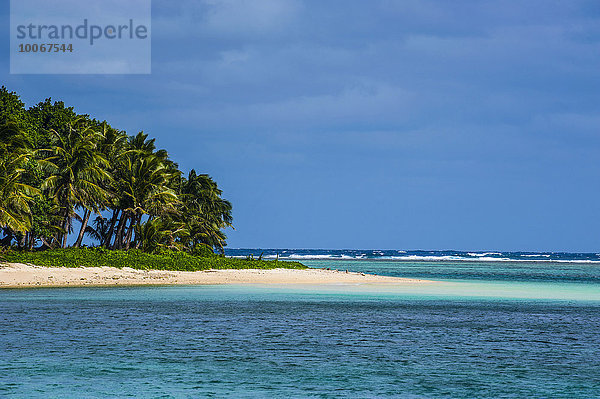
point(134, 218)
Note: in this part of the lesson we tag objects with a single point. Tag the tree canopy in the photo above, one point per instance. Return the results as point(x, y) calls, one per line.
point(58, 167)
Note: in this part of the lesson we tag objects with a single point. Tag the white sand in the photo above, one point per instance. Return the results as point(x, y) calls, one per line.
point(17, 275)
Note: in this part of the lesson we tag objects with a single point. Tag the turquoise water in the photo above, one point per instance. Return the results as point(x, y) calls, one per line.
point(496, 334)
point(575, 272)
point(482, 280)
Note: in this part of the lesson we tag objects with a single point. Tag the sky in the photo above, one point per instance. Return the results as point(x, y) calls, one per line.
point(467, 125)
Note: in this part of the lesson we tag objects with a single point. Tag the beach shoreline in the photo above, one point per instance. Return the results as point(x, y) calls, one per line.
point(19, 275)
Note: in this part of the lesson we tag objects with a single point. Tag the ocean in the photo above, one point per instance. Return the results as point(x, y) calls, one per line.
point(494, 325)
point(402, 255)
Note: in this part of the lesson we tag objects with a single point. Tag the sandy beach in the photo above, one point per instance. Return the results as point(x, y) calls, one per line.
point(17, 275)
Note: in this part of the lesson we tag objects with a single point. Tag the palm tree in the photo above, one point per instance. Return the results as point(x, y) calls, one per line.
point(77, 170)
point(145, 192)
point(15, 195)
point(206, 213)
point(144, 187)
point(15, 214)
point(82, 166)
point(161, 233)
point(99, 231)
point(114, 145)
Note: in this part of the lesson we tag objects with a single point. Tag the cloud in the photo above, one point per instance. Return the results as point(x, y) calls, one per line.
point(224, 19)
point(491, 100)
point(242, 17)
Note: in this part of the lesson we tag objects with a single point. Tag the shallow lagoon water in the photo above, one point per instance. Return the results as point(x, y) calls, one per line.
point(511, 271)
point(456, 338)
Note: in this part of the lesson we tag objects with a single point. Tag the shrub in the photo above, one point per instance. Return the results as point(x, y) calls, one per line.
point(136, 259)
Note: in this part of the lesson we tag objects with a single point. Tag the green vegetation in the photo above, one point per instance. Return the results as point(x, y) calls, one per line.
point(136, 259)
point(128, 197)
point(57, 167)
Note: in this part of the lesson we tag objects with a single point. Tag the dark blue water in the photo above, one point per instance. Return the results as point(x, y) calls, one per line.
point(417, 255)
point(479, 337)
point(448, 265)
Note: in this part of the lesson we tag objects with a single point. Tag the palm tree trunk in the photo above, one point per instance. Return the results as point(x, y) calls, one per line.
point(45, 243)
point(84, 222)
point(138, 224)
point(56, 239)
point(130, 231)
point(65, 233)
point(62, 236)
point(118, 244)
point(113, 221)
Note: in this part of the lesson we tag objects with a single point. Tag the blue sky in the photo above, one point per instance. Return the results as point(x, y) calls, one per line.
point(380, 124)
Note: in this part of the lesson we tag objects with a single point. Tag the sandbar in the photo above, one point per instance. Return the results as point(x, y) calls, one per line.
point(18, 275)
